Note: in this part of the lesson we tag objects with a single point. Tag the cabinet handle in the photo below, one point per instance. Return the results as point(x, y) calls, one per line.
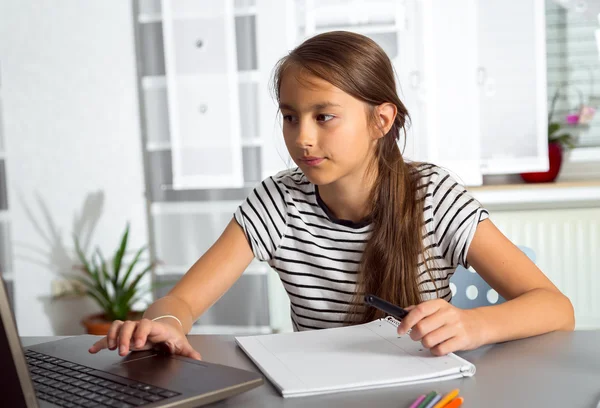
point(202, 108)
point(199, 43)
point(414, 79)
point(481, 74)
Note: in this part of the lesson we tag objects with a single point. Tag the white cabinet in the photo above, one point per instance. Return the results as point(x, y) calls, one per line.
point(202, 93)
point(275, 35)
point(432, 45)
point(451, 112)
point(328, 15)
point(511, 44)
point(480, 67)
point(472, 74)
point(205, 8)
point(409, 68)
point(201, 46)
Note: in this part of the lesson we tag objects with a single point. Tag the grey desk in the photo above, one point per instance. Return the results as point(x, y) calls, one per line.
point(554, 370)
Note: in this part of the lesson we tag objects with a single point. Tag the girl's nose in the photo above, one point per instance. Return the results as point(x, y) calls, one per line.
point(306, 138)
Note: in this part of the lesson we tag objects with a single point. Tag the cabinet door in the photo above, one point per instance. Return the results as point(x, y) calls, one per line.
point(326, 15)
point(202, 94)
point(409, 68)
point(273, 16)
point(450, 115)
point(512, 85)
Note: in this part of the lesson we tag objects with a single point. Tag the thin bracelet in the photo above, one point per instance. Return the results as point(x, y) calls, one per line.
point(171, 316)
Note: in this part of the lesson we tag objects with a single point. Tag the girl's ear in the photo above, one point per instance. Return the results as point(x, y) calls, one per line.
point(386, 114)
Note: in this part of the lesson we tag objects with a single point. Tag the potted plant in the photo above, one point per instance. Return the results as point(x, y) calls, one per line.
point(114, 284)
point(558, 142)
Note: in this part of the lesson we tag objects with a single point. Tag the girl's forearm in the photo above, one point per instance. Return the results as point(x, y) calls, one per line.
point(171, 305)
point(535, 312)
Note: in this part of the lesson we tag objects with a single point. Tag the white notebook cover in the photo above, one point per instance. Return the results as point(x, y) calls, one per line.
point(366, 356)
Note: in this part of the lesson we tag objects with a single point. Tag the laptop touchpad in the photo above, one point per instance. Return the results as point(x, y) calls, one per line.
point(157, 369)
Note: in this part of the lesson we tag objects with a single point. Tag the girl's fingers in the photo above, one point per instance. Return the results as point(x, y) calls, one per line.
point(144, 335)
point(110, 340)
point(99, 345)
point(438, 336)
point(113, 333)
point(427, 325)
point(417, 314)
point(188, 351)
point(140, 335)
point(125, 334)
point(449, 346)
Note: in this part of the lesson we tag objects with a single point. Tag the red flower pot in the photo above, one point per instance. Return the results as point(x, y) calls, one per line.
point(555, 158)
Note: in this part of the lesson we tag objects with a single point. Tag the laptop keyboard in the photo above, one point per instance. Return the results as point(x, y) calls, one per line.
point(72, 385)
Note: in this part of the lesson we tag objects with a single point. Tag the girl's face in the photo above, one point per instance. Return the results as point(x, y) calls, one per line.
point(325, 129)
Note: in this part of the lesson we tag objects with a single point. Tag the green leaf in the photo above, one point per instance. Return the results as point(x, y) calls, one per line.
point(132, 289)
point(99, 277)
point(105, 307)
point(566, 140)
point(94, 286)
point(120, 311)
point(92, 291)
point(93, 282)
point(81, 255)
point(553, 127)
point(104, 269)
point(95, 270)
point(118, 260)
point(132, 265)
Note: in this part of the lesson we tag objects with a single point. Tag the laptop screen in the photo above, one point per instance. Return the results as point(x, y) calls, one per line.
point(17, 389)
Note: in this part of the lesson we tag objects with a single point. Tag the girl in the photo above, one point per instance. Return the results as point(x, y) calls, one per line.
point(354, 217)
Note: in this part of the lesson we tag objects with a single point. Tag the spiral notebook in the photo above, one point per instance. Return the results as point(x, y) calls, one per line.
point(351, 358)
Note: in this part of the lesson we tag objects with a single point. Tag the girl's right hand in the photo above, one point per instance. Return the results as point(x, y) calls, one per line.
point(145, 334)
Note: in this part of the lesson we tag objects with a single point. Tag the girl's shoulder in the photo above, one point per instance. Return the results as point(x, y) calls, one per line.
point(294, 175)
point(431, 180)
point(286, 186)
point(293, 180)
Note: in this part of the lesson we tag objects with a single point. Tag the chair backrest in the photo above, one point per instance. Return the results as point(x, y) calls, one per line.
point(469, 290)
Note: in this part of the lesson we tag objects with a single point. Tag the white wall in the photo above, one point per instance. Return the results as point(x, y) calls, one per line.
point(73, 143)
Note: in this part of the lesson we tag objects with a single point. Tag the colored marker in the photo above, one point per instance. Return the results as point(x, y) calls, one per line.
point(417, 401)
point(434, 401)
point(447, 398)
point(455, 403)
point(427, 399)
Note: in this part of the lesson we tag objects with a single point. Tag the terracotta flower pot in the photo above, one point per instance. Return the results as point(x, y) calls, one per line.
point(97, 324)
point(555, 158)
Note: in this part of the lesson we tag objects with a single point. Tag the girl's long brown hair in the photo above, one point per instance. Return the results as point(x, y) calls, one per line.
point(358, 66)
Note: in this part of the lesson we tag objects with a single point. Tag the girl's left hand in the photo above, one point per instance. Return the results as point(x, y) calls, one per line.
point(442, 328)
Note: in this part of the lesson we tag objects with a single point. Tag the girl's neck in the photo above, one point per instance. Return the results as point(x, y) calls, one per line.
point(349, 197)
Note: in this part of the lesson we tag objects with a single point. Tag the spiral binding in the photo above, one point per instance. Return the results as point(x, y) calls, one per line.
point(393, 320)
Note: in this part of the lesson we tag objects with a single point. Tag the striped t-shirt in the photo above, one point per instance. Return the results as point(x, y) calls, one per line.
point(317, 255)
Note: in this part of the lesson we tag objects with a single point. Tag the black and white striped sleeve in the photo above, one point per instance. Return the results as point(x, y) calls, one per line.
point(263, 217)
point(456, 215)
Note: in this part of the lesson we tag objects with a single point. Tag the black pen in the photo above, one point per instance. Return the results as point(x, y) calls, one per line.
point(386, 306)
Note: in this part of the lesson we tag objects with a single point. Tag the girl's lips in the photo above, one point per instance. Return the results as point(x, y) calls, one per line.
point(313, 161)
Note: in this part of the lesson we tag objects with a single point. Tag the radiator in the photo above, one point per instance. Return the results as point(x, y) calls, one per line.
point(567, 247)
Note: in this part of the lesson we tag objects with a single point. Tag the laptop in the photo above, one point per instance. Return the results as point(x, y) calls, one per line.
point(63, 374)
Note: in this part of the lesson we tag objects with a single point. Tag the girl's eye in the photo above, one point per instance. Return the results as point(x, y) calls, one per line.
point(324, 118)
point(289, 118)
